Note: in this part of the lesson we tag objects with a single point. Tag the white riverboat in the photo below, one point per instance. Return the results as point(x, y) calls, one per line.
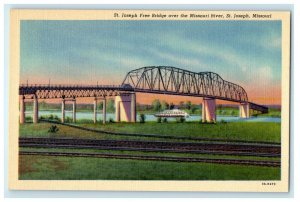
point(172, 113)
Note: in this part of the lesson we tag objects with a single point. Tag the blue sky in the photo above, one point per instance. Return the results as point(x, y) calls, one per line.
point(84, 52)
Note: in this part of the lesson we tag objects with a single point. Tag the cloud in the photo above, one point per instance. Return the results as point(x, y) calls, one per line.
point(247, 53)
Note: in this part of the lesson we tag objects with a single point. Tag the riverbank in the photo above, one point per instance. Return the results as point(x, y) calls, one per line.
point(110, 117)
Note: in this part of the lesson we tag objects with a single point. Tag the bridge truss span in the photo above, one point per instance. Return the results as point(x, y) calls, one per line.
point(176, 81)
point(70, 91)
point(154, 79)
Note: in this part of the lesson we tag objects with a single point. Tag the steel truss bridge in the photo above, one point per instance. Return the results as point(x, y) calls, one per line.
point(154, 79)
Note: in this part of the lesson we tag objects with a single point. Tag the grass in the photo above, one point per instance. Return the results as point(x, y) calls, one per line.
point(78, 168)
point(250, 131)
point(41, 130)
point(35, 167)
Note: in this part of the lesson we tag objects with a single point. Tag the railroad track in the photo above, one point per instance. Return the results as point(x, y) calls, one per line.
point(156, 146)
point(159, 158)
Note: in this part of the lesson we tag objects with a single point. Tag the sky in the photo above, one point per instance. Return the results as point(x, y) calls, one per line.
point(247, 53)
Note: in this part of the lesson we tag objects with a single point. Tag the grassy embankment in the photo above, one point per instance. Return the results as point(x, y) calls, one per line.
point(41, 167)
point(249, 131)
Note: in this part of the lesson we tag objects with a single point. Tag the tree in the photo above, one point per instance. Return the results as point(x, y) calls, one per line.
point(188, 105)
point(100, 105)
point(142, 118)
point(171, 105)
point(164, 105)
point(156, 106)
point(193, 108)
point(43, 105)
point(139, 107)
point(110, 105)
point(181, 105)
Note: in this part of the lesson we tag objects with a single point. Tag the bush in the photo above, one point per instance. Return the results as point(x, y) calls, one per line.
point(193, 109)
point(53, 129)
point(68, 120)
point(142, 118)
point(165, 120)
point(85, 121)
point(158, 119)
point(180, 119)
point(223, 121)
point(28, 118)
point(56, 118)
point(111, 120)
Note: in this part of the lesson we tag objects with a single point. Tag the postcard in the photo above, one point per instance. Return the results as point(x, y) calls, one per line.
point(149, 100)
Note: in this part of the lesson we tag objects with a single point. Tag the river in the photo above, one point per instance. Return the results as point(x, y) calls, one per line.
point(150, 117)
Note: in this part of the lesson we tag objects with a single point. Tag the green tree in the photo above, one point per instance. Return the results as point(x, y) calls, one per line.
point(156, 105)
point(220, 107)
point(110, 105)
point(43, 105)
point(142, 118)
point(171, 105)
point(188, 105)
point(100, 105)
point(193, 108)
point(164, 105)
point(139, 107)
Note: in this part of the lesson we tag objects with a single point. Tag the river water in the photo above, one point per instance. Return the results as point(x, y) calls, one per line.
point(150, 117)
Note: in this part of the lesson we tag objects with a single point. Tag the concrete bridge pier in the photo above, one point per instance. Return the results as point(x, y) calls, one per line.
point(104, 110)
point(74, 111)
point(244, 110)
point(125, 107)
point(209, 110)
point(63, 103)
point(117, 106)
point(95, 110)
point(35, 109)
point(133, 108)
point(22, 110)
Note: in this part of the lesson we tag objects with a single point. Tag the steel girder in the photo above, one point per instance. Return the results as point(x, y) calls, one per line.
point(154, 79)
point(64, 91)
point(176, 81)
point(259, 108)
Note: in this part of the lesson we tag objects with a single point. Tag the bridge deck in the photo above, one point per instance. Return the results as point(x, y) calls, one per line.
point(154, 79)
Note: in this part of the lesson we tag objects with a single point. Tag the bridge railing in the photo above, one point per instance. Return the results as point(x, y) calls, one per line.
point(67, 86)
